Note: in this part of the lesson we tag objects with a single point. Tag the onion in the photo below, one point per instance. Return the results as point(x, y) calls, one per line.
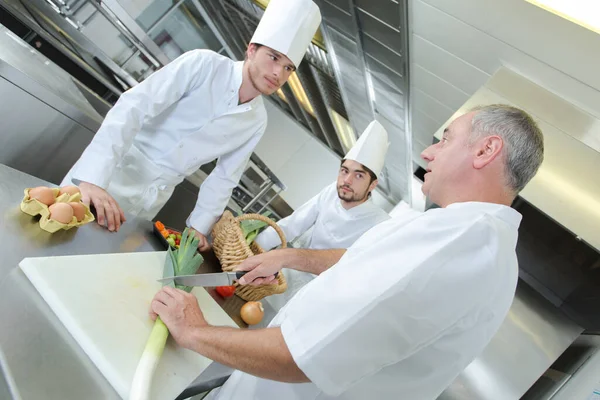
point(252, 312)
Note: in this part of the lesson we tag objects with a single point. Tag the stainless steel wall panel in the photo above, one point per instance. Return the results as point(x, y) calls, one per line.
point(341, 4)
point(381, 32)
point(384, 10)
point(386, 56)
point(533, 335)
point(338, 19)
point(36, 138)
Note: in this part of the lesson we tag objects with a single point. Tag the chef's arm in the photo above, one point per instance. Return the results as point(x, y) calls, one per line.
point(216, 190)
point(313, 261)
point(260, 352)
point(267, 264)
point(124, 121)
point(293, 225)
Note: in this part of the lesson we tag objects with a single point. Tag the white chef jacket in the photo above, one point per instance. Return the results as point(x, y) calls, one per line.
point(333, 227)
point(403, 312)
point(162, 130)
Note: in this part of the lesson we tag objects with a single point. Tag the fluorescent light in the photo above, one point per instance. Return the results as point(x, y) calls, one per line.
point(281, 95)
point(582, 12)
point(344, 130)
point(300, 93)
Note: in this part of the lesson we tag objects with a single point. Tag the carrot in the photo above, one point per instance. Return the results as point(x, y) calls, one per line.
point(159, 225)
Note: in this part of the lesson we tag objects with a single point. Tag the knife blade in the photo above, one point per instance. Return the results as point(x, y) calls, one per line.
point(208, 280)
point(216, 279)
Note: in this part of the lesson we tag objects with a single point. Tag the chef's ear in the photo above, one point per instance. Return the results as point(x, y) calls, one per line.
point(373, 185)
point(486, 150)
point(252, 47)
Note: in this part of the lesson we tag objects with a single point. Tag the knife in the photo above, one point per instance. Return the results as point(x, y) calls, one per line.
point(211, 280)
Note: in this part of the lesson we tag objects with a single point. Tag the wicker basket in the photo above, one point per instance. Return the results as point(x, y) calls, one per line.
point(230, 247)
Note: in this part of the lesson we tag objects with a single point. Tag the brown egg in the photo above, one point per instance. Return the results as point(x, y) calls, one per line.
point(78, 210)
point(61, 212)
point(42, 194)
point(71, 190)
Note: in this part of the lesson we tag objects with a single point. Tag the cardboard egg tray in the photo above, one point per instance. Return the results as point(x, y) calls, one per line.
point(34, 208)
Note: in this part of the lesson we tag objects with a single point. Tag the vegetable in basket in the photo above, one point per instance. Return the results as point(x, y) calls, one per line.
point(251, 228)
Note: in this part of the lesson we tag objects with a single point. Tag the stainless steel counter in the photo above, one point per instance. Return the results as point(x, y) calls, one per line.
point(41, 358)
point(38, 357)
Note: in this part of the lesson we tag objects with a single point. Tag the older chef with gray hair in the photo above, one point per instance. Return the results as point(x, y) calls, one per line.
point(338, 215)
point(407, 307)
point(200, 107)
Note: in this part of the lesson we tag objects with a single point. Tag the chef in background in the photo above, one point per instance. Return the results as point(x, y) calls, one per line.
point(338, 215)
point(409, 305)
point(199, 107)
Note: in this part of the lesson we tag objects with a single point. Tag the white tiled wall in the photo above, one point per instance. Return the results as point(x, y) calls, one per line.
point(455, 46)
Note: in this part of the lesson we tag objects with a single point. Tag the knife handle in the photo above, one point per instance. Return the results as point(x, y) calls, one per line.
point(239, 274)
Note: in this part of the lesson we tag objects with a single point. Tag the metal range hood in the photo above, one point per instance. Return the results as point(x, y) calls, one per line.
point(355, 71)
point(368, 47)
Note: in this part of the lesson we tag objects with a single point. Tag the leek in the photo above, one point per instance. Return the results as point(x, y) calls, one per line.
point(251, 228)
point(184, 261)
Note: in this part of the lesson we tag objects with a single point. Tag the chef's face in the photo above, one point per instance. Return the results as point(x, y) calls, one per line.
point(268, 69)
point(354, 182)
point(449, 161)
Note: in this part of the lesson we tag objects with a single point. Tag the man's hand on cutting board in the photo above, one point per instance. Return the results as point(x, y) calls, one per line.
point(260, 352)
point(180, 312)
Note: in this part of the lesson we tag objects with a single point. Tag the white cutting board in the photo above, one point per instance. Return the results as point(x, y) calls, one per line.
point(103, 301)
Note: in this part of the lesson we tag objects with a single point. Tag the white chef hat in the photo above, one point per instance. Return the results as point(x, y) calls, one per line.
point(370, 148)
point(288, 26)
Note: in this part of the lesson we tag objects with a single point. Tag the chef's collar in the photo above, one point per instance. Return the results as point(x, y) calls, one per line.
point(362, 208)
point(236, 83)
point(238, 75)
point(507, 214)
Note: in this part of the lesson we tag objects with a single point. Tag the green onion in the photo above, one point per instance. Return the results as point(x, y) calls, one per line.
point(184, 261)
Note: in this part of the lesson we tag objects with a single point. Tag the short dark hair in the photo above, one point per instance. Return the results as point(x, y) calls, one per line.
point(258, 46)
point(371, 173)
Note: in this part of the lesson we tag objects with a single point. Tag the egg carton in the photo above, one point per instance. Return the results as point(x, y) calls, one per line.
point(34, 208)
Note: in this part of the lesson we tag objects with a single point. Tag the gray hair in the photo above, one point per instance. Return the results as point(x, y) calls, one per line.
point(523, 140)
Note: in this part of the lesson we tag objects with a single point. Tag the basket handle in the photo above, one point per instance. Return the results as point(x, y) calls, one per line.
point(268, 221)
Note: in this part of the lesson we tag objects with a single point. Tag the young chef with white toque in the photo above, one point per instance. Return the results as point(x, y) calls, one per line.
point(405, 309)
point(197, 108)
point(340, 213)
